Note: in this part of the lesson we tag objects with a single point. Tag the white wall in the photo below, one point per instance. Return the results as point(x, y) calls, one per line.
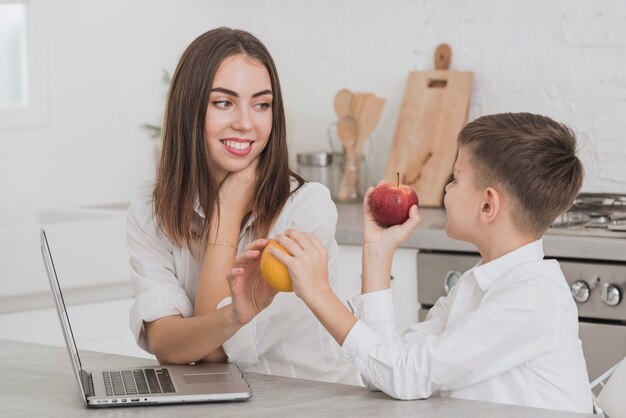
point(105, 61)
point(562, 58)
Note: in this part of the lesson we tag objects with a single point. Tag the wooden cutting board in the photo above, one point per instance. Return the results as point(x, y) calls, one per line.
point(433, 111)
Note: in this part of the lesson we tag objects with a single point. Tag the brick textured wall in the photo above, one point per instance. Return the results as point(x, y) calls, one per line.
point(562, 58)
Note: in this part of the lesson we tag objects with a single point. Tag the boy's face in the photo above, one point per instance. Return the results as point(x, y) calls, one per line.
point(463, 200)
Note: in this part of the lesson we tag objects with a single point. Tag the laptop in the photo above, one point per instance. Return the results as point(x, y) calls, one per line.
point(145, 385)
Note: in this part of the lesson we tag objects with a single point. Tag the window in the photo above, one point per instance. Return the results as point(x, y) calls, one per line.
point(13, 71)
point(22, 64)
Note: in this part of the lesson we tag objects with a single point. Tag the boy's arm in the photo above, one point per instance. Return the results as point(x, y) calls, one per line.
point(308, 267)
point(309, 209)
point(514, 326)
point(331, 313)
point(376, 267)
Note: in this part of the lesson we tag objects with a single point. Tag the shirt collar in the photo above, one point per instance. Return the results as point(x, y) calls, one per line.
point(200, 212)
point(197, 208)
point(488, 274)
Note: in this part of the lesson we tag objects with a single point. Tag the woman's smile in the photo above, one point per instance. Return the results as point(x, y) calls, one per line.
point(237, 146)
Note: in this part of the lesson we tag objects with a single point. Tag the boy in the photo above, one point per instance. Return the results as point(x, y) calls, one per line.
point(508, 331)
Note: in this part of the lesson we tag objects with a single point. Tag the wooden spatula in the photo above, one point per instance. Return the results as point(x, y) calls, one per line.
point(368, 119)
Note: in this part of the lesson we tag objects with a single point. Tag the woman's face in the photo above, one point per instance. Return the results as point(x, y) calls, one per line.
point(238, 120)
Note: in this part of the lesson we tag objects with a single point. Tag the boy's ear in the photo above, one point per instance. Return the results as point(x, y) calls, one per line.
point(491, 205)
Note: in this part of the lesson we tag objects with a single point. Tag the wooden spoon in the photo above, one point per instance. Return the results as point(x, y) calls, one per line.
point(348, 131)
point(343, 102)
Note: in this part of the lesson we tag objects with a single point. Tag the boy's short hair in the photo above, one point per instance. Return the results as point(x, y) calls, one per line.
point(532, 157)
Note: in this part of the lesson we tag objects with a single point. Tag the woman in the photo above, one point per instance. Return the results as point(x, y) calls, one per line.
point(223, 181)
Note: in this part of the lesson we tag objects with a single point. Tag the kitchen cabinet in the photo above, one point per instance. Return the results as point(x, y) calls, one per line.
point(403, 283)
point(88, 247)
point(91, 261)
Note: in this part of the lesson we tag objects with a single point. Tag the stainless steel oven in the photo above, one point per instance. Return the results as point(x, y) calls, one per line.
point(597, 284)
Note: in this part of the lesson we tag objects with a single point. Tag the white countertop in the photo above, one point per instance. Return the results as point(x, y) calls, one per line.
point(430, 235)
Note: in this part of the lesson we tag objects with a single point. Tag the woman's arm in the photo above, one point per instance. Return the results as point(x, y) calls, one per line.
point(217, 262)
point(178, 340)
point(162, 316)
point(235, 202)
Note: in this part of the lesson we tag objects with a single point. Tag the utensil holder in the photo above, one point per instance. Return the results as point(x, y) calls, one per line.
point(353, 180)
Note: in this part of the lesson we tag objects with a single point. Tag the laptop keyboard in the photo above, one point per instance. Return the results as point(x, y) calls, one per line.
point(138, 382)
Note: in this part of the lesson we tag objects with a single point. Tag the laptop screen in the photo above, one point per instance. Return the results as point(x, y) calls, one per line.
point(61, 310)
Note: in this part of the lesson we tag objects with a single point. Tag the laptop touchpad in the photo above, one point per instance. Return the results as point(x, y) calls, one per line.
point(207, 378)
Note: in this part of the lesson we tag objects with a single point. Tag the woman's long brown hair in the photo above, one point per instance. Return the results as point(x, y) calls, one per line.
point(185, 170)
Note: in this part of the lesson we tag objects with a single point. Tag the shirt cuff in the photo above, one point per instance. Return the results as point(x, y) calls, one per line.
point(358, 344)
point(241, 347)
point(373, 306)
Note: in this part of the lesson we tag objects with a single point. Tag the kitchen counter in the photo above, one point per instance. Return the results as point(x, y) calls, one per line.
point(430, 235)
point(38, 381)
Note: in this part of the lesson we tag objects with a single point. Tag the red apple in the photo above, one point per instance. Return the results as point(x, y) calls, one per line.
point(390, 203)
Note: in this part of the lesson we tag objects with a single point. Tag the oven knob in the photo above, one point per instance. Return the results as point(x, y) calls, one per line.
point(451, 279)
point(611, 294)
point(580, 291)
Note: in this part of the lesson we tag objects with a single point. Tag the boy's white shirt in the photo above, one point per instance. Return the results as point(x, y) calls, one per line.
point(506, 333)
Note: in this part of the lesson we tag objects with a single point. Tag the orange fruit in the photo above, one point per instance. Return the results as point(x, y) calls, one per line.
point(273, 271)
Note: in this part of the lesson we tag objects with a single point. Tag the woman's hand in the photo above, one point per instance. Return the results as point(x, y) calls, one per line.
point(307, 264)
point(237, 191)
point(386, 238)
point(250, 293)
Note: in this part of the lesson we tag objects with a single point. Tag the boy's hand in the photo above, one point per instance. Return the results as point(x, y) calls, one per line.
point(250, 293)
point(308, 267)
point(307, 264)
point(379, 244)
point(387, 238)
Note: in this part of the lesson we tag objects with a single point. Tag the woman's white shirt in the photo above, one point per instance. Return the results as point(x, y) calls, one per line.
point(285, 338)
